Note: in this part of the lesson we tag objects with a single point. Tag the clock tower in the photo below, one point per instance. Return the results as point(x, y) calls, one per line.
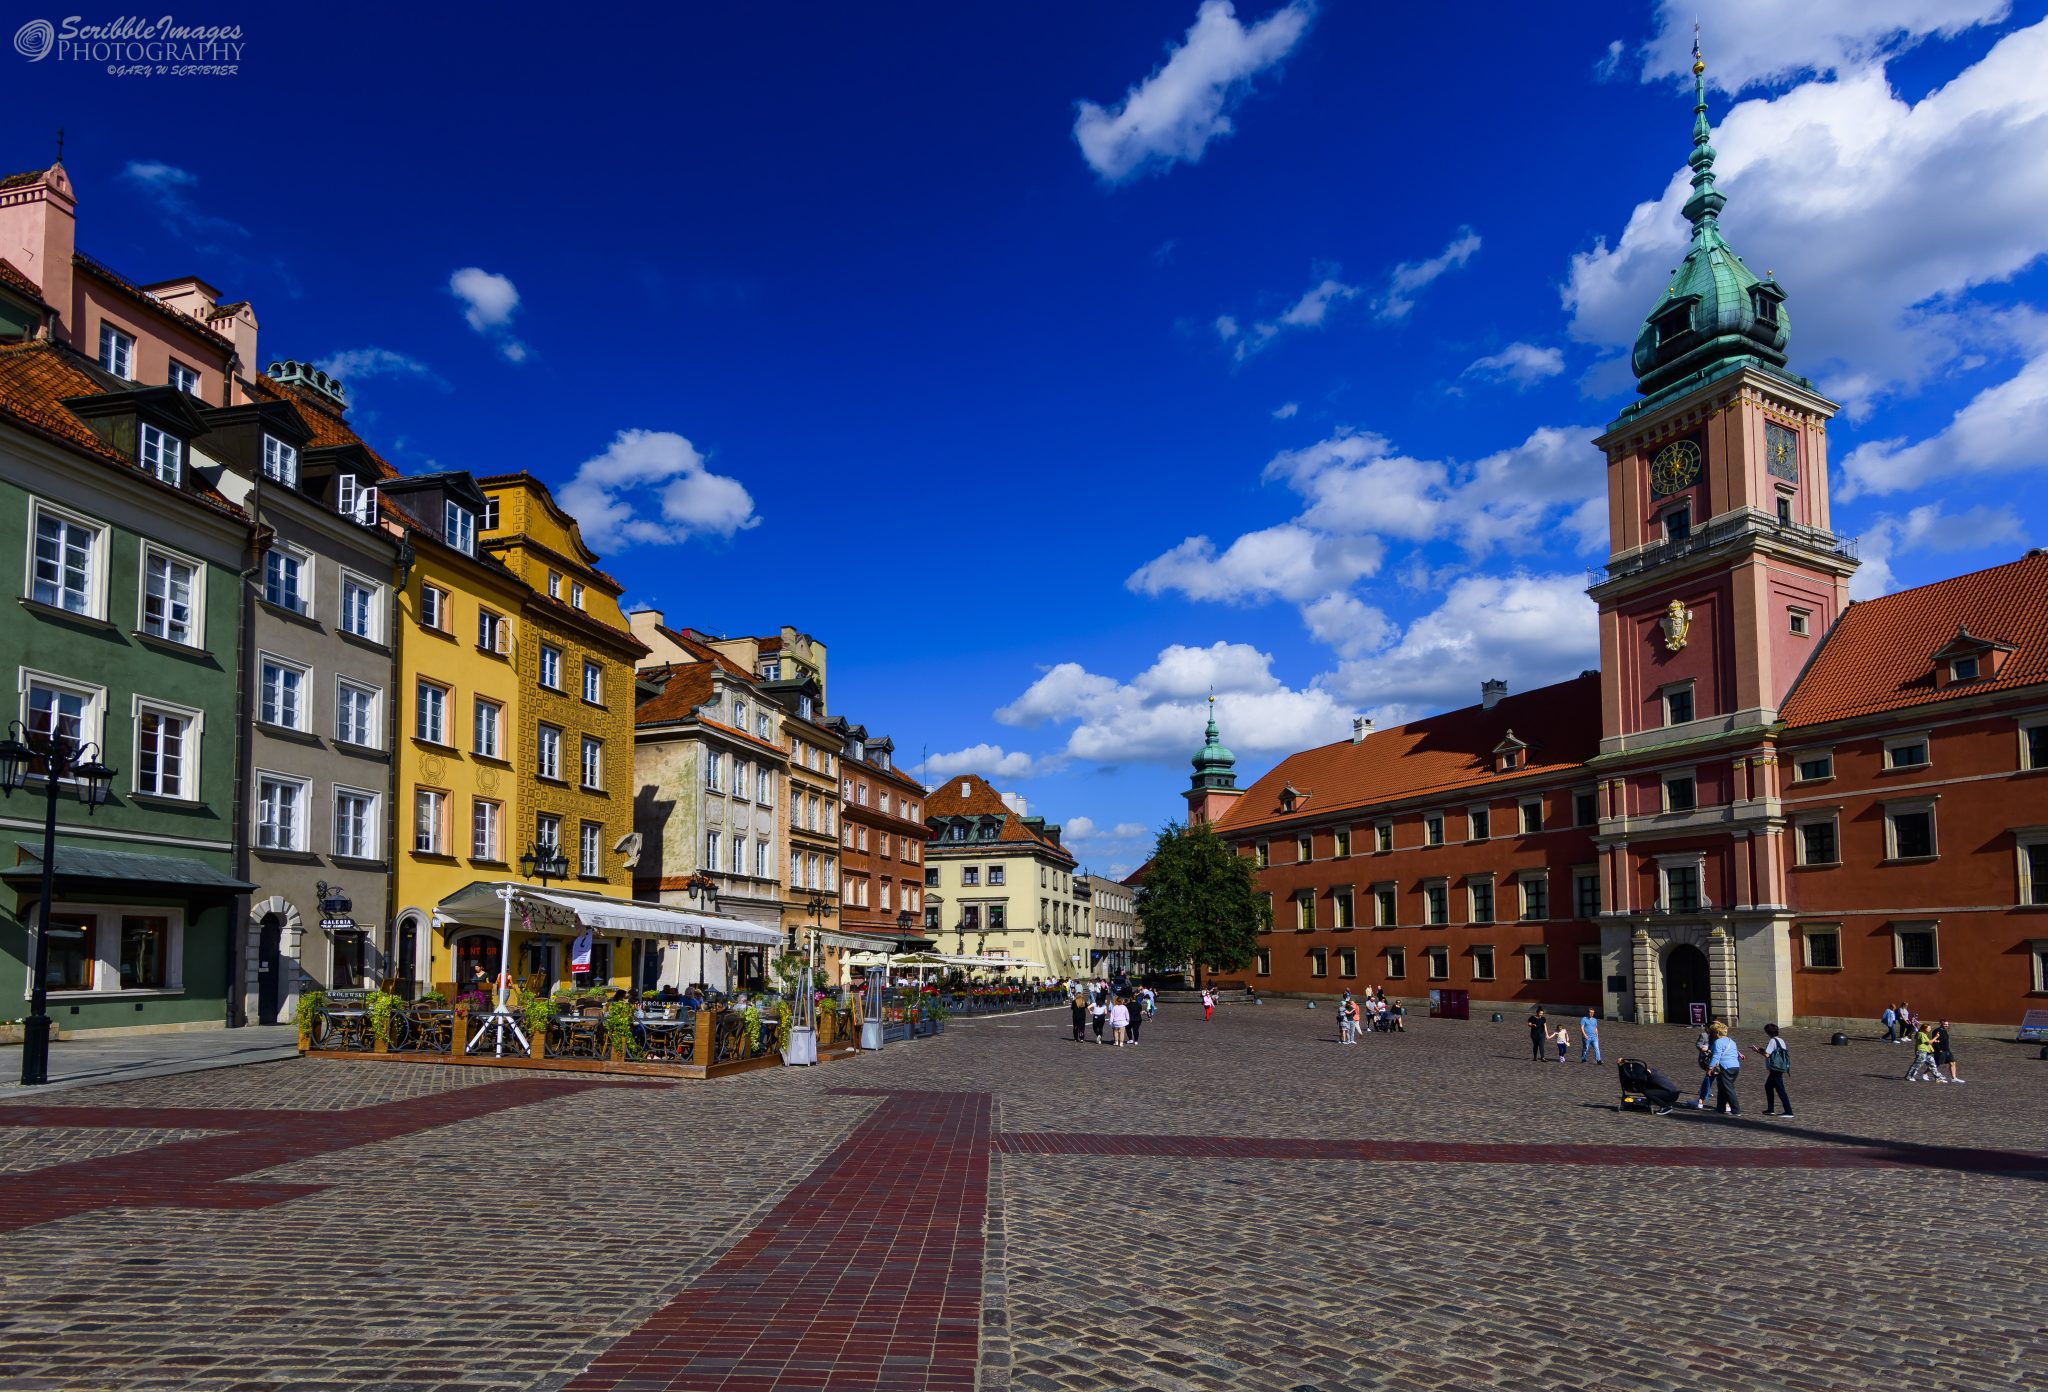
point(1723, 578)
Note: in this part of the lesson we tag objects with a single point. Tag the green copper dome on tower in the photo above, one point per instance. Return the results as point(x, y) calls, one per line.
point(1215, 766)
point(1714, 311)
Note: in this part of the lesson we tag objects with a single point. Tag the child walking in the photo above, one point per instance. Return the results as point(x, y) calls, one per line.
point(1564, 1042)
point(1119, 1020)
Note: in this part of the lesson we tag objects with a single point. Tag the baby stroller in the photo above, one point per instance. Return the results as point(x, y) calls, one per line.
point(1644, 1089)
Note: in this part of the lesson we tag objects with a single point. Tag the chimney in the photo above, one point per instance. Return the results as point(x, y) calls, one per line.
point(1490, 692)
point(39, 233)
point(1361, 726)
point(306, 375)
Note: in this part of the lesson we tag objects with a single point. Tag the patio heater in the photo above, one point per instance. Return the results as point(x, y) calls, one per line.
point(64, 760)
point(543, 862)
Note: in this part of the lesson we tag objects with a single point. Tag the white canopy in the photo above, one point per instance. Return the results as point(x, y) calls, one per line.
point(938, 959)
point(478, 905)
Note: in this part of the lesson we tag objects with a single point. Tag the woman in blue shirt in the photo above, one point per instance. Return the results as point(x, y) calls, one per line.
point(1725, 1063)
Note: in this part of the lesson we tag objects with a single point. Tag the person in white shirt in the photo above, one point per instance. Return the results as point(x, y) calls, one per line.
point(1119, 1020)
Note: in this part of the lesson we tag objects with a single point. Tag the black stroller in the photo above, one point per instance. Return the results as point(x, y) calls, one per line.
point(1644, 1089)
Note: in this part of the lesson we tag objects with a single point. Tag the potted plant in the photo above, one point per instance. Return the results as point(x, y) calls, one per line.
point(539, 1013)
point(311, 1004)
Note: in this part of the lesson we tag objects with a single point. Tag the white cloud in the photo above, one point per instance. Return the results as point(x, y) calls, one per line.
point(489, 300)
point(1308, 312)
point(1077, 830)
point(988, 760)
point(690, 500)
point(1287, 410)
point(1286, 562)
point(360, 364)
point(1186, 102)
point(1929, 527)
point(1346, 623)
point(1762, 41)
point(2002, 430)
point(171, 188)
point(1610, 63)
point(1879, 216)
point(1523, 364)
point(1536, 629)
point(1158, 716)
point(1411, 278)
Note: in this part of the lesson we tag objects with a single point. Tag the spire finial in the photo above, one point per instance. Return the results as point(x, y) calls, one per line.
point(1704, 207)
point(60, 144)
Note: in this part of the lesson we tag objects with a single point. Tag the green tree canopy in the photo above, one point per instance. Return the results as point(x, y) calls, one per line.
point(1200, 902)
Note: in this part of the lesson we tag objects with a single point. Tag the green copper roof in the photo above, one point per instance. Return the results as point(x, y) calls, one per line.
point(1715, 309)
point(1214, 765)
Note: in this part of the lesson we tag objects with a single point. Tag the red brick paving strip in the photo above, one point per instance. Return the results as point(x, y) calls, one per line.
point(1814, 1157)
point(193, 1173)
point(868, 1276)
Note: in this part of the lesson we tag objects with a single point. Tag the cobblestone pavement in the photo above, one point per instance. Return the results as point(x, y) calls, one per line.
point(1236, 1204)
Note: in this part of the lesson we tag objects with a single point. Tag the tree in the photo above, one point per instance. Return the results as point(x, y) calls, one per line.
point(1200, 902)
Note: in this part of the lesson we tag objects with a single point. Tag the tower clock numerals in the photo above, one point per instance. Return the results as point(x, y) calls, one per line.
point(1675, 468)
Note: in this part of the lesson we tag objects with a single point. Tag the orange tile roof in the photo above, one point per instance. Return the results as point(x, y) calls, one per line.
point(686, 689)
point(322, 417)
point(114, 279)
point(704, 652)
point(35, 380)
point(11, 275)
point(1438, 754)
point(971, 795)
point(1878, 655)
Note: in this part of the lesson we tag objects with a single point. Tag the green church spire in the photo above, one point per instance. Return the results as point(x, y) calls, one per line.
point(1215, 766)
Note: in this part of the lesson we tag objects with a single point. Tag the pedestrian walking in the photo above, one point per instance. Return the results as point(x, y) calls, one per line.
point(1208, 1003)
point(1944, 1054)
point(1890, 1019)
point(1539, 1033)
point(1589, 1036)
point(1077, 1003)
point(1777, 1063)
point(1705, 1044)
point(1137, 1006)
point(1923, 1057)
point(1564, 1043)
point(1098, 1015)
point(1726, 1061)
point(1119, 1020)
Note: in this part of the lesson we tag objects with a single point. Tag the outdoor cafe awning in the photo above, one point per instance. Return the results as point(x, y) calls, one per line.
point(941, 959)
point(479, 906)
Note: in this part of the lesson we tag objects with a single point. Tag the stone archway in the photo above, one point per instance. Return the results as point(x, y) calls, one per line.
point(1687, 981)
point(280, 913)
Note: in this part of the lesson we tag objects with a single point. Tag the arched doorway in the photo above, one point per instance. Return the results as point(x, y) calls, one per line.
point(1685, 983)
point(406, 965)
point(269, 969)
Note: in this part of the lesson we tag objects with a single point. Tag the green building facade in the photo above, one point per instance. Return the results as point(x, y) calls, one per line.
point(122, 625)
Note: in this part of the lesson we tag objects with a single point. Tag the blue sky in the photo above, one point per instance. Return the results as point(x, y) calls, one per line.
point(1055, 364)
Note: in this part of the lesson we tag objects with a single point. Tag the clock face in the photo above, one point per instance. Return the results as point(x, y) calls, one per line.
point(1781, 452)
point(1675, 468)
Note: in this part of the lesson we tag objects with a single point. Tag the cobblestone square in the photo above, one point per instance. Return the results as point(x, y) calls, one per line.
point(1240, 1203)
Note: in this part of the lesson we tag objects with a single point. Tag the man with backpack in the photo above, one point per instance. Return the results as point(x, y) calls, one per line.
point(1777, 1063)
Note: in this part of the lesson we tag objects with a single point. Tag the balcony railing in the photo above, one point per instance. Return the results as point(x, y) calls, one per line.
point(1748, 521)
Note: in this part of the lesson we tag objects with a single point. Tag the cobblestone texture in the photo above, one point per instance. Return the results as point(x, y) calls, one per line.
point(1241, 1204)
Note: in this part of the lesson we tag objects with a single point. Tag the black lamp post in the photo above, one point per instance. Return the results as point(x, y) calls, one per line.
point(544, 863)
point(703, 893)
point(62, 759)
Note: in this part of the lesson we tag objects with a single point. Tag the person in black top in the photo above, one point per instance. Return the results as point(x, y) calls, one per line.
point(1539, 1033)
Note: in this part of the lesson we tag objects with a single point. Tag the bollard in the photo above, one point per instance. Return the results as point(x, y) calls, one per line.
point(1496, 1017)
point(1311, 1005)
point(1838, 1038)
point(2044, 1051)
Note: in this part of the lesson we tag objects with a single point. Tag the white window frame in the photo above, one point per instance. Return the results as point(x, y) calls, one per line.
point(2037, 956)
point(592, 763)
point(458, 526)
point(764, 789)
point(373, 823)
point(1805, 756)
point(160, 454)
point(438, 799)
point(153, 552)
point(1472, 816)
point(554, 584)
point(195, 721)
point(547, 832)
point(593, 682)
point(2025, 725)
point(1810, 931)
point(1893, 810)
point(280, 461)
point(550, 664)
point(547, 752)
point(491, 813)
point(92, 712)
point(1799, 622)
point(1443, 831)
point(1695, 861)
point(575, 594)
point(590, 849)
point(373, 629)
point(1484, 952)
point(1897, 742)
point(1668, 693)
point(2023, 839)
point(106, 963)
point(376, 713)
point(1523, 880)
point(185, 378)
point(96, 557)
point(1664, 781)
point(420, 688)
point(435, 604)
point(1429, 908)
point(1475, 883)
point(1437, 962)
point(1831, 820)
point(1531, 954)
point(478, 706)
point(301, 832)
point(302, 578)
point(117, 351)
point(714, 771)
point(302, 717)
point(1931, 927)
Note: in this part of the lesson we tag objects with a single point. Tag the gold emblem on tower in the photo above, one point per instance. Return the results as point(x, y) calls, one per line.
point(1676, 623)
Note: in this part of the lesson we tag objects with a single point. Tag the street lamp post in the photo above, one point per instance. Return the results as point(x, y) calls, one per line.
point(819, 909)
point(542, 862)
point(62, 759)
point(704, 893)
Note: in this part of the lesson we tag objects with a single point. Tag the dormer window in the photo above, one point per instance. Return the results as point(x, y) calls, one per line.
point(1968, 658)
point(162, 455)
point(1672, 323)
point(1288, 798)
point(490, 522)
point(355, 500)
point(458, 528)
point(1963, 669)
point(988, 831)
point(1510, 754)
point(1765, 306)
point(280, 462)
point(803, 707)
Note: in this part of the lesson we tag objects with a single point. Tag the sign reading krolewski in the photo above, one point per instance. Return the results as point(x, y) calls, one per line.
point(131, 46)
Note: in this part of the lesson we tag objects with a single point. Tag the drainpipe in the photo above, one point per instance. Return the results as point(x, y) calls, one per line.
point(244, 759)
point(402, 564)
